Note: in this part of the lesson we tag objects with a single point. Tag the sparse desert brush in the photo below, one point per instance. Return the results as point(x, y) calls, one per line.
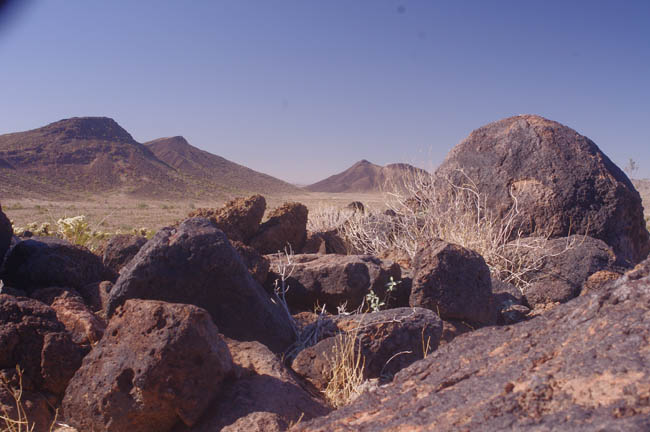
point(347, 365)
point(327, 218)
point(17, 420)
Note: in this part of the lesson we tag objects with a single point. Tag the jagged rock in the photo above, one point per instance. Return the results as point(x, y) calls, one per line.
point(509, 301)
point(258, 265)
point(196, 264)
point(563, 265)
point(158, 364)
point(286, 226)
point(388, 340)
point(325, 242)
point(559, 180)
point(42, 262)
point(582, 366)
point(262, 394)
point(454, 282)
point(120, 249)
point(84, 327)
point(334, 280)
point(239, 219)
point(96, 296)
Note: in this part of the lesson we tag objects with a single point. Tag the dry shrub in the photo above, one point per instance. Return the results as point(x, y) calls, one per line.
point(347, 366)
point(418, 212)
point(327, 218)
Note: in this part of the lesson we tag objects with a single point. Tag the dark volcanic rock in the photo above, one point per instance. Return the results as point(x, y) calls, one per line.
point(388, 340)
point(563, 266)
point(239, 219)
point(96, 295)
point(509, 301)
point(6, 232)
point(333, 280)
point(583, 366)
point(287, 225)
point(563, 184)
point(32, 338)
point(262, 394)
point(48, 261)
point(121, 249)
point(196, 264)
point(325, 242)
point(159, 364)
point(258, 265)
point(453, 282)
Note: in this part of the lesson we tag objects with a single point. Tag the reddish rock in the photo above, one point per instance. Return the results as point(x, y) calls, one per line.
point(196, 264)
point(388, 340)
point(239, 219)
point(84, 327)
point(158, 364)
point(325, 242)
point(334, 280)
point(562, 182)
point(286, 226)
point(96, 296)
point(258, 265)
point(120, 249)
point(454, 282)
point(598, 280)
point(38, 409)
point(509, 301)
point(48, 261)
point(262, 394)
point(582, 366)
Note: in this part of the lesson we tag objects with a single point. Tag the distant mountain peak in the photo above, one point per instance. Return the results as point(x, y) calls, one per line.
point(99, 128)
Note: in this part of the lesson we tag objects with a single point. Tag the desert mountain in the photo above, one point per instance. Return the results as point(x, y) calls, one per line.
point(96, 155)
point(363, 176)
point(207, 170)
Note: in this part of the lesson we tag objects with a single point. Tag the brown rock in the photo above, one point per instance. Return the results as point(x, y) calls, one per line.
point(262, 394)
point(582, 366)
point(6, 232)
point(159, 364)
point(388, 340)
point(120, 249)
point(258, 265)
point(38, 410)
point(598, 280)
point(562, 182)
point(48, 261)
point(454, 282)
point(96, 296)
point(84, 327)
point(325, 242)
point(334, 280)
point(196, 264)
point(286, 226)
point(239, 219)
point(509, 301)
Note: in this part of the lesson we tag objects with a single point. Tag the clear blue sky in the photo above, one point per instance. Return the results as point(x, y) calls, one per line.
point(302, 89)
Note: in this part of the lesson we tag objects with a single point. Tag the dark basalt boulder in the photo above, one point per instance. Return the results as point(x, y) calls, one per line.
point(159, 364)
point(454, 282)
point(560, 182)
point(258, 265)
point(6, 233)
point(120, 249)
point(195, 264)
point(582, 366)
point(286, 226)
point(42, 262)
point(334, 280)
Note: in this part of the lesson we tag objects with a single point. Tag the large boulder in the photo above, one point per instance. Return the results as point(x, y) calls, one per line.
point(239, 219)
point(33, 339)
point(258, 265)
point(286, 226)
point(582, 366)
point(6, 233)
point(48, 261)
point(560, 182)
point(561, 266)
point(333, 280)
point(387, 340)
point(158, 364)
point(261, 393)
point(454, 282)
point(196, 264)
point(120, 249)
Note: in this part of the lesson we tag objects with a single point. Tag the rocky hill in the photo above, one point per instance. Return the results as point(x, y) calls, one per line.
point(363, 176)
point(96, 155)
point(207, 170)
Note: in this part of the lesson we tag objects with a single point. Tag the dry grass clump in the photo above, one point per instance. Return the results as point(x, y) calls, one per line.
point(347, 366)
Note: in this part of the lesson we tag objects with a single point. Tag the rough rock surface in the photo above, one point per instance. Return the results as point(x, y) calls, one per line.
point(239, 219)
point(84, 327)
point(563, 266)
point(454, 282)
point(325, 242)
point(120, 249)
point(388, 340)
point(562, 182)
point(258, 265)
point(6, 232)
point(286, 225)
point(48, 261)
point(333, 280)
point(509, 301)
point(196, 264)
point(262, 394)
point(158, 364)
point(96, 296)
point(582, 366)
